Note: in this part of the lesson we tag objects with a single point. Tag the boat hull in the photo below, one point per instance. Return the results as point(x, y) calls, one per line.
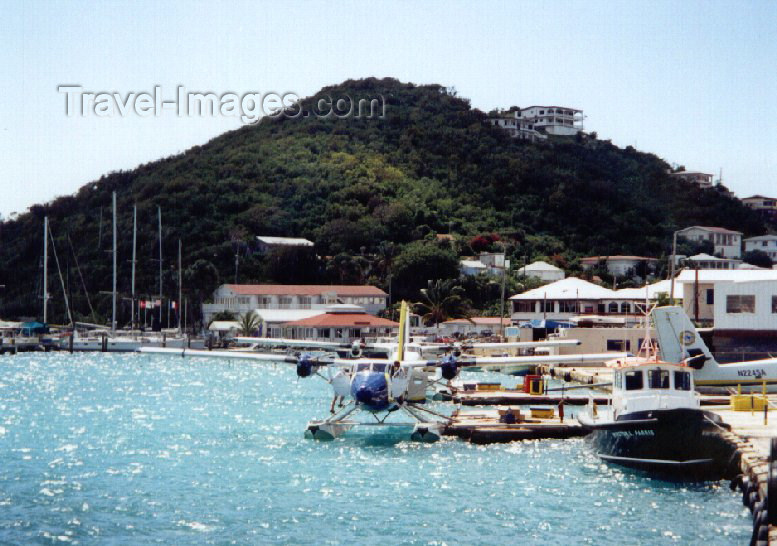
point(685, 442)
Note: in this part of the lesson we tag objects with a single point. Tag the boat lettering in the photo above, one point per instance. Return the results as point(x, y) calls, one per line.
point(630, 433)
point(751, 373)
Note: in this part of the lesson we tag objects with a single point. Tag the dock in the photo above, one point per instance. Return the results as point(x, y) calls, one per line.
point(489, 426)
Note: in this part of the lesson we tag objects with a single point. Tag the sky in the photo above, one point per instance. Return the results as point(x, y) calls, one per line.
point(691, 81)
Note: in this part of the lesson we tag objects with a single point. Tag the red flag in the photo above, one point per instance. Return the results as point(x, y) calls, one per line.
point(142, 304)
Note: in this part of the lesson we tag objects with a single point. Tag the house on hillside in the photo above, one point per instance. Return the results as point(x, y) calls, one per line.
point(621, 266)
point(764, 243)
point(703, 180)
point(493, 263)
point(542, 271)
point(537, 122)
point(265, 243)
point(705, 261)
point(767, 206)
point(727, 243)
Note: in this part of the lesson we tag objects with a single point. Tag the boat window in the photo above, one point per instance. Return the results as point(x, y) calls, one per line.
point(633, 380)
point(658, 379)
point(682, 381)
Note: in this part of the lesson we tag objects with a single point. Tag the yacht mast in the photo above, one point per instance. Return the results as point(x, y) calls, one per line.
point(134, 249)
point(159, 217)
point(113, 314)
point(180, 289)
point(45, 269)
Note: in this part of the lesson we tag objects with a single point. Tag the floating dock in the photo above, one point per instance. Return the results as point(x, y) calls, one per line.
point(490, 426)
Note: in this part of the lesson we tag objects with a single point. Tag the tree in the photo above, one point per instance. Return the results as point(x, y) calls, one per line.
point(250, 324)
point(758, 258)
point(420, 262)
point(440, 301)
point(223, 315)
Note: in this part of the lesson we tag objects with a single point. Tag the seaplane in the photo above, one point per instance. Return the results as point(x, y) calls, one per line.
point(680, 341)
point(395, 384)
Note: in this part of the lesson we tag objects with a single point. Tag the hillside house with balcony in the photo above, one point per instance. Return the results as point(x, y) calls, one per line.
point(727, 243)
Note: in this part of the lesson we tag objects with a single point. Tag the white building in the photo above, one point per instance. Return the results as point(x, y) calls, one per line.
point(705, 261)
point(764, 205)
point(536, 122)
point(471, 326)
point(700, 288)
point(727, 243)
point(703, 180)
point(746, 306)
point(282, 303)
point(493, 263)
point(265, 243)
point(764, 243)
point(621, 266)
point(543, 271)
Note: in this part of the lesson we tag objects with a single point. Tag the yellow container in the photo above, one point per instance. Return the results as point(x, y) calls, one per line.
point(536, 386)
point(543, 413)
point(748, 402)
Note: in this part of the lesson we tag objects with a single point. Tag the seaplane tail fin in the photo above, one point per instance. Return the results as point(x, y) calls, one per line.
point(678, 339)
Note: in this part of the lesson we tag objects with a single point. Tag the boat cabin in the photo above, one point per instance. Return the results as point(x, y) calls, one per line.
point(653, 386)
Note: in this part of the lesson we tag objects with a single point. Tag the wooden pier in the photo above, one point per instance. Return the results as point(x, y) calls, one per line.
point(490, 426)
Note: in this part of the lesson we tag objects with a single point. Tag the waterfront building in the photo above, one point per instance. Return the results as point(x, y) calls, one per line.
point(705, 261)
point(727, 243)
point(277, 304)
point(341, 323)
point(472, 326)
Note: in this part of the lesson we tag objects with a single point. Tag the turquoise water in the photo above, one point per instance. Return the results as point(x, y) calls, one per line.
point(142, 449)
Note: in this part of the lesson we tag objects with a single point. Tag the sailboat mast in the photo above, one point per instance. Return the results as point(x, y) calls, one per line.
point(159, 217)
point(113, 315)
point(45, 269)
point(180, 289)
point(134, 250)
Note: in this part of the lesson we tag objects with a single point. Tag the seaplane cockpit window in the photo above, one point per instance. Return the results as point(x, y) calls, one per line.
point(658, 379)
point(379, 367)
point(363, 368)
point(682, 381)
point(633, 380)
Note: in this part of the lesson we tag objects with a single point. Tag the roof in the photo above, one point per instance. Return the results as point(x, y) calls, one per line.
point(477, 264)
point(305, 289)
point(613, 258)
point(481, 321)
point(762, 238)
point(540, 266)
point(285, 315)
point(757, 196)
point(284, 241)
point(653, 290)
point(707, 258)
point(570, 288)
point(223, 325)
point(681, 173)
point(344, 320)
point(736, 275)
point(710, 228)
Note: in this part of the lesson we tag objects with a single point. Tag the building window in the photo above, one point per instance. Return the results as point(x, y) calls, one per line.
point(613, 307)
point(568, 306)
point(618, 345)
point(774, 304)
point(285, 302)
point(625, 307)
point(548, 306)
point(740, 303)
point(524, 307)
point(710, 296)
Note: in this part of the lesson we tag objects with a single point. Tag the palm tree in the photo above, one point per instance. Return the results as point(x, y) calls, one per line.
point(442, 300)
point(250, 323)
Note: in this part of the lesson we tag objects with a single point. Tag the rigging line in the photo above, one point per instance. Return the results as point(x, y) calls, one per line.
point(61, 280)
point(83, 283)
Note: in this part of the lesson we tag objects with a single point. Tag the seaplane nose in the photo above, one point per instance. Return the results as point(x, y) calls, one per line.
point(370, 390)
point(364, 394)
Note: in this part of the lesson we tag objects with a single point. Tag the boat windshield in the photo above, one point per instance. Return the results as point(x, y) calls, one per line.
point(658, 379)
point(363, 368)
point(682, 381)
point(633, 380)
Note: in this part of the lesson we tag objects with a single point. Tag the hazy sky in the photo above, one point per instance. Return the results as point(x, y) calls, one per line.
point(693, 82)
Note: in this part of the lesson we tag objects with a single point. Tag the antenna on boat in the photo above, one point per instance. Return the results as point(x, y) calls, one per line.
point(159, 217)
point(180, 289)
point(134, 249)
point(648, 349)
point(113, 305)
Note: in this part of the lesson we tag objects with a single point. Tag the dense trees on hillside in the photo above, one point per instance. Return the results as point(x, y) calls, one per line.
point(372, 194)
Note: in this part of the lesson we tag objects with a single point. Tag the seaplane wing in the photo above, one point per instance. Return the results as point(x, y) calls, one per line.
point(465, 346)
point(499, 361)
point(235, 355)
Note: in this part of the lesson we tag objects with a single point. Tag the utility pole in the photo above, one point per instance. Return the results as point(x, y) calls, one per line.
point(671, 268)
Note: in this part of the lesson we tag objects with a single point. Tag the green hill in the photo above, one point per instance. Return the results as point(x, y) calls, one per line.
point(432, 165)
